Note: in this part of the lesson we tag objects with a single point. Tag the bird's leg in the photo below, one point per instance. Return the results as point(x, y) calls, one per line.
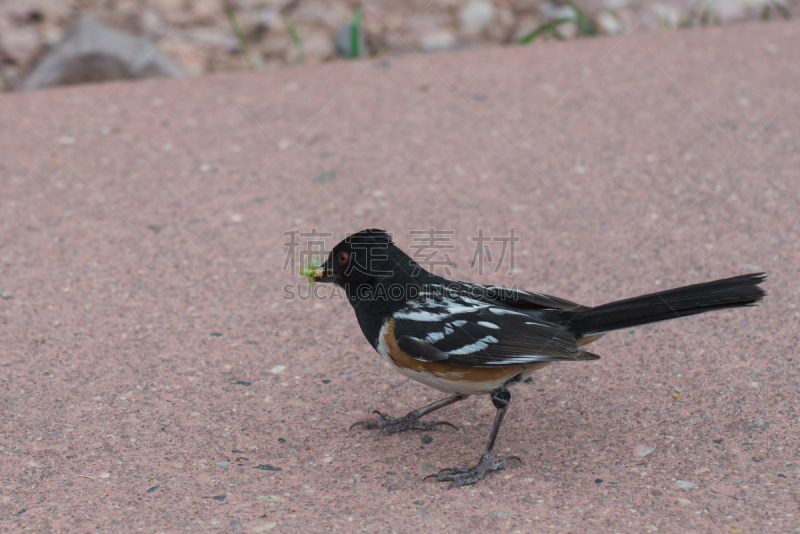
point(390, 425)
point(460, 476)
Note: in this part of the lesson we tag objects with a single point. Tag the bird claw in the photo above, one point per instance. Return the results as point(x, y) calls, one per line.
point(461, 476)
point(391, 425)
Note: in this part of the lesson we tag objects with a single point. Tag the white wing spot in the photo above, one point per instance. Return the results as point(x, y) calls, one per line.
point(474, 347)
point(525, 358)
point(459, 323)
point(423, 316)
point(433, 337)
point(488, 325)
point(501, 311)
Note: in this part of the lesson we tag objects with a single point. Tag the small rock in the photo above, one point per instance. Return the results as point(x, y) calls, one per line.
point(317, 47)
point(267, 467)
point(428, 467)
point(438, 40)
point(270, 498)
point(223, 463)
point(21, 13)
point(553, 11)
point(686, 485)
point(7, 295)
point(192, 58)
point(609, 24)
point(641, 450)
point(151, 490)
point(93, 52)
point(475, 16)
point(502, 24)
point(664, 16)
point(20, 45)
point(210, 38)
point(277, 369)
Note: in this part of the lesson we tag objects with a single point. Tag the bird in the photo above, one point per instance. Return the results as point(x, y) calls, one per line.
point(467, 339)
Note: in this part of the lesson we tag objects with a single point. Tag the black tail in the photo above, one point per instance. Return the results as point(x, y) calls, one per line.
point(699, 298)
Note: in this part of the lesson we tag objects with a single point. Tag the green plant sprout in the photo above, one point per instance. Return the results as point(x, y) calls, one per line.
point(355, 35)
point(781, 8)
point(298, 43)
point(586, 27)
point(547, 27)
point(237, 31)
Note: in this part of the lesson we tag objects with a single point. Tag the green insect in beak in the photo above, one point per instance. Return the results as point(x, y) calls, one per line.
point(309, 268)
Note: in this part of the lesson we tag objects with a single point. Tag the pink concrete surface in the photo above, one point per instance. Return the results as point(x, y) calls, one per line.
point(150, 364)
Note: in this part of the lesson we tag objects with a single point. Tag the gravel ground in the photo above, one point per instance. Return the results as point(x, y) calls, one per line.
point(198, 36)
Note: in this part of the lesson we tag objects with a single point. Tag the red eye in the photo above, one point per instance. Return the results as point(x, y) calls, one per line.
point(343, 257)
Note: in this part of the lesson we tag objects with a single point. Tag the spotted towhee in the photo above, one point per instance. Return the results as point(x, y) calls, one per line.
point(468, 339)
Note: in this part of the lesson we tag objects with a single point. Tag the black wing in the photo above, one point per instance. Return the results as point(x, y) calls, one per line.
point(465, 331)
point(517, 298)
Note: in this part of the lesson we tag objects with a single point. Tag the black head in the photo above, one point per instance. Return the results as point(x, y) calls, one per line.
point(364, 258)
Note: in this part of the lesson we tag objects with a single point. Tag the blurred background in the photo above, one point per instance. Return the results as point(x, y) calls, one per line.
point(58, 42)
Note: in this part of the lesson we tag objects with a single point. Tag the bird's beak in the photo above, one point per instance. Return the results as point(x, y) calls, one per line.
point(323, 273)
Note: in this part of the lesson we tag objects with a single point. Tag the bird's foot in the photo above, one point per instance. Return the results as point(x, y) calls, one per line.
point(461, 476)
point(390, 425)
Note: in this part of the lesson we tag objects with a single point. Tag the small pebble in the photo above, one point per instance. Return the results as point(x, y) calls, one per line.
point(641, 450)
point(268, 467)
